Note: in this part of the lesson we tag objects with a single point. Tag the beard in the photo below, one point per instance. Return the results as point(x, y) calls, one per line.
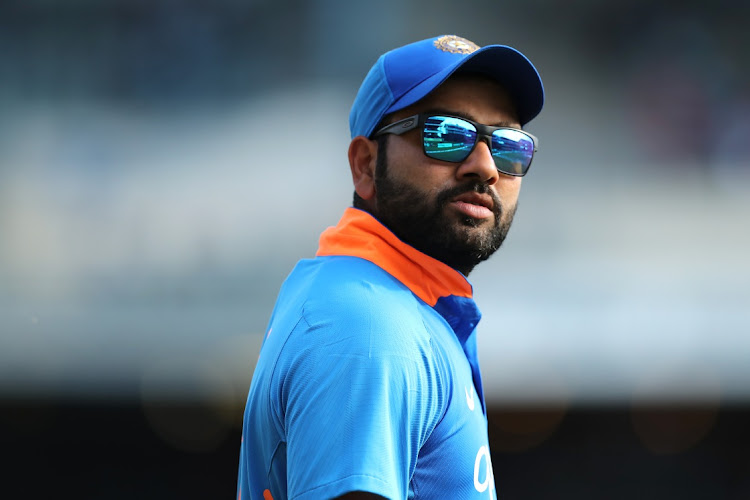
point(424, 223)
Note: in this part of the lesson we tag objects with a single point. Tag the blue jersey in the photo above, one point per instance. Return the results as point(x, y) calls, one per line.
point(368, 378)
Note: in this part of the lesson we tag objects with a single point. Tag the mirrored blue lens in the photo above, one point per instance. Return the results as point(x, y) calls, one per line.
point(512, 151)
point(448, 138)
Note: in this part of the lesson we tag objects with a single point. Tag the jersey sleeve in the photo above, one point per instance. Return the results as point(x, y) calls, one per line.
point(357, 396)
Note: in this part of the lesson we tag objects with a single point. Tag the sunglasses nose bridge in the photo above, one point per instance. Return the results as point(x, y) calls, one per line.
point(487, 138)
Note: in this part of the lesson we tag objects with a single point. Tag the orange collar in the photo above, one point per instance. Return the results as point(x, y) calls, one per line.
point(359, 234)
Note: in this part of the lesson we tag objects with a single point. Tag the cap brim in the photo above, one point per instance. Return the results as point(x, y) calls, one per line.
point(505, 65)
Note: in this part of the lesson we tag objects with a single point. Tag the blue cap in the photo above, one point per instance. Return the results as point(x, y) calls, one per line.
point(403, 76)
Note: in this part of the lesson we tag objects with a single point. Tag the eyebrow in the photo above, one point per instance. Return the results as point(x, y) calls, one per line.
point(468, 116)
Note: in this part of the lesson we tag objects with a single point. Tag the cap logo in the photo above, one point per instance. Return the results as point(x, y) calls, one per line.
point(455, 44)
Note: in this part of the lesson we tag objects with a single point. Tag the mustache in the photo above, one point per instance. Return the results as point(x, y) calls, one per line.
point(471, 187)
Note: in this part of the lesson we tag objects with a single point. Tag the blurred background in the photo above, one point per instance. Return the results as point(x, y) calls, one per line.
point(163, 165)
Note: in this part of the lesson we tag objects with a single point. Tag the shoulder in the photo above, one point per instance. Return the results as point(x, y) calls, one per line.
point(345, 277)
point(349, 307)
point(359, 336)
point(350, 292)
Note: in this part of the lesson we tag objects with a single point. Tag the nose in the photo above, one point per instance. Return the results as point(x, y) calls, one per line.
point(479, 164)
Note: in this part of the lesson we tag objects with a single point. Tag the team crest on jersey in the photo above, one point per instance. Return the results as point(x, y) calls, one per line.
point(455, 45)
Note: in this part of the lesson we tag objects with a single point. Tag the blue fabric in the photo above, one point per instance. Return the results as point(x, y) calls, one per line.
point(362, 386)
point(373, 99)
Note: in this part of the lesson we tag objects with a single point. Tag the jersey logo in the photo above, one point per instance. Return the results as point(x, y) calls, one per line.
point(469, 398)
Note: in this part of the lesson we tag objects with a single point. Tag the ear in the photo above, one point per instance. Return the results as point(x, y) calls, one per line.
point(363, 156)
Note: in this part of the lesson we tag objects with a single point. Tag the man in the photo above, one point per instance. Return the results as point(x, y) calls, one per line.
point(368, 385)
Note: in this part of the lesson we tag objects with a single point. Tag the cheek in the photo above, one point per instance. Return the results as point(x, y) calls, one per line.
point(408, 164)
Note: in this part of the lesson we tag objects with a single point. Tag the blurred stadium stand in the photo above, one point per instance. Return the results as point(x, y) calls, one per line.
point(164, 164)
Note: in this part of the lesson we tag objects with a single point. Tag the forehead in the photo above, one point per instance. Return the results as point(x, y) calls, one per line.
point(471, 94)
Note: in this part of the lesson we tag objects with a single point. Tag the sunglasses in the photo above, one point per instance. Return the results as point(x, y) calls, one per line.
point(452, 139)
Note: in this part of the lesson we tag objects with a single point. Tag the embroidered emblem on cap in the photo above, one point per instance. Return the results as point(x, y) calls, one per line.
point(455, 44)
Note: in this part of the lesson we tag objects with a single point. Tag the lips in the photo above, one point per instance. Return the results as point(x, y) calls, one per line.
point(475, 205)
point(474, 198)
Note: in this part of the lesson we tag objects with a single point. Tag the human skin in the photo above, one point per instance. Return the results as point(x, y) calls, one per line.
point(472, 96)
